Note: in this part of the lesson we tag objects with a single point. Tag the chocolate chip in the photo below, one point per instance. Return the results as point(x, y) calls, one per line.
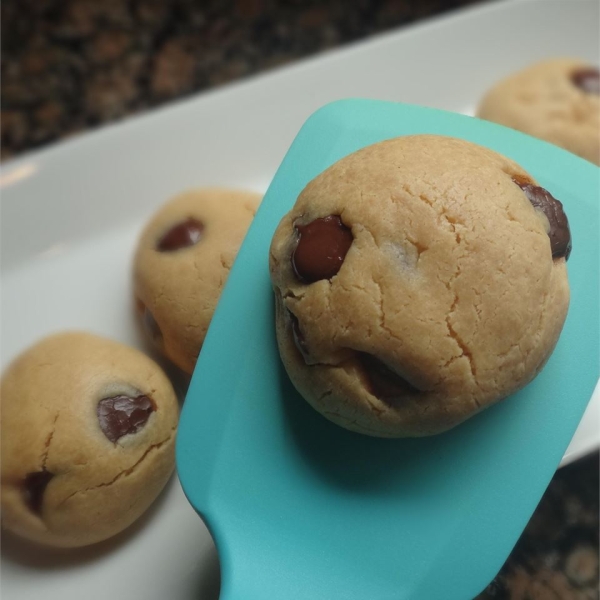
point(382, 381)
point(321, 248)
point(34, 487)
point(120, 415)
point(541, 199)
point(184, 234)
point(587, 79)
point(298, 336)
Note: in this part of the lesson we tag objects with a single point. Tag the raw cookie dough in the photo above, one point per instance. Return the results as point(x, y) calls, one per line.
point(555, 100)
point(88, 432)
point(418, 281)
point(182, 262)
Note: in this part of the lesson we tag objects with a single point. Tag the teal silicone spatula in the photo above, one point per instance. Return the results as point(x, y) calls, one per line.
point(302, 509)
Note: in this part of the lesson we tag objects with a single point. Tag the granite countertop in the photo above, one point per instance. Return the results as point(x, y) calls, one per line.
point(70, 65)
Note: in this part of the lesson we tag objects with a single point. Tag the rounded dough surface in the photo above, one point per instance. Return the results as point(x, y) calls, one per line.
point(554, 100)
point(445, 298)
point(181, 264)
point(88, 433)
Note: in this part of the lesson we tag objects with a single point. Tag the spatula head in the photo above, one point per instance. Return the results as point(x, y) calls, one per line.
point(300, 508)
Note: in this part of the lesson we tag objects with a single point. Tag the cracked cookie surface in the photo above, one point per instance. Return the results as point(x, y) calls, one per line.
point(555, 100)
point(181, 264)
point(88, 433)
point(446, 299)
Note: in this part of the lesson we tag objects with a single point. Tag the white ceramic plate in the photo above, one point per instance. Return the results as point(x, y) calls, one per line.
point(71, 213)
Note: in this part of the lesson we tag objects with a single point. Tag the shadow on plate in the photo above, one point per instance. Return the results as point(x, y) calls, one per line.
point(209, 582)
point(178, 378)
point(18, 550)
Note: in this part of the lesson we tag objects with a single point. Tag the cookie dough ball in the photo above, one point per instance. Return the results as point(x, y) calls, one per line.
point(555, 100)
point(182, 262)
point(88, 432)
point(418, 281)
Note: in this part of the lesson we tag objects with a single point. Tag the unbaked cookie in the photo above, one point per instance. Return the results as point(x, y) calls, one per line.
point(182, 262)
point(555, 100)
point(418, 281)
point(88, 432)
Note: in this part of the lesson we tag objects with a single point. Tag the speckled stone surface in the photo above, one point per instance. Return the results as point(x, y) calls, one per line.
point(557, 556)
point(70, 65)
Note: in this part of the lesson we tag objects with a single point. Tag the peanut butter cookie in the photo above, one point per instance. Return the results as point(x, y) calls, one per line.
point(555, 100)
point(181, 264)
point(88, 435)
point(418, 281)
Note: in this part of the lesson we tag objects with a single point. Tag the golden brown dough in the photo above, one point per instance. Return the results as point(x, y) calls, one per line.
point(555, 100)
point(447, 300)
point(181, 264)
point(88, 433)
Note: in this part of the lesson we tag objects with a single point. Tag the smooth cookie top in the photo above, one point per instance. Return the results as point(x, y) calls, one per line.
point(182, 262)
point(555, 100)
